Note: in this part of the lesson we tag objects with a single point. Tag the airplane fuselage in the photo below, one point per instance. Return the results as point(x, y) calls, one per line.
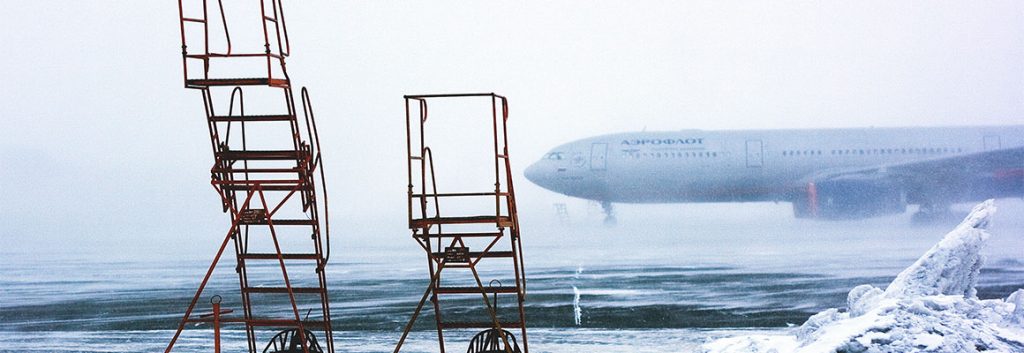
point(744, 165)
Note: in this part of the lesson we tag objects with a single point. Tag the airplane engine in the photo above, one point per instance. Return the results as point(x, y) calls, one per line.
point(850, 199)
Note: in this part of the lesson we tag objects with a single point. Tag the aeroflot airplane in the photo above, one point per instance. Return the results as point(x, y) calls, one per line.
point(827, 174)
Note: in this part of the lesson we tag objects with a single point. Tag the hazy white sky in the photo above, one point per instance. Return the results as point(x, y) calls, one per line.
point(101, 144)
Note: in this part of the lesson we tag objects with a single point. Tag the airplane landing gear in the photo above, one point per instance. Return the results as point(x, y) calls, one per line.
point(930, 213)
point(609, 214)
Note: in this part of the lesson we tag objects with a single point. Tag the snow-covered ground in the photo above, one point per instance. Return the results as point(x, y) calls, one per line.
point(930, 307)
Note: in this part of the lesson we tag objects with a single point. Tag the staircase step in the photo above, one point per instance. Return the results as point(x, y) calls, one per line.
point(250, 118)
point(288, 323)
point(258, 81)
point(488, 324)
point(476, 290)
point(275, 155)
point(283, 290)
point(264, 322)
point(283, 222)
point(476, 254)
point(501, 221)
point(255, 170)
point(461, 235)
point(273, 256)
point(272, 187)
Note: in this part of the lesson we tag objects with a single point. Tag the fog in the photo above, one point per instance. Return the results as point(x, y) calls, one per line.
point(104, 152)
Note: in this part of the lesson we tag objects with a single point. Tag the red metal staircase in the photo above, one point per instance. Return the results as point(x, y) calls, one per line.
point(267, 170)
point(456, 243)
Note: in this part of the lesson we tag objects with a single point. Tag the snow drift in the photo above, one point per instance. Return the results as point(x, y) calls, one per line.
point(931, 306)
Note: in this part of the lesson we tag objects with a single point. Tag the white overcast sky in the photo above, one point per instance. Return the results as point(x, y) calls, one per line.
point(101, 144)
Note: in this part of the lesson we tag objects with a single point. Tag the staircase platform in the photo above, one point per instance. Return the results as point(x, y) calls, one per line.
point(214, 82)
point(265, 155)
point(500, 221)
point(251, 118)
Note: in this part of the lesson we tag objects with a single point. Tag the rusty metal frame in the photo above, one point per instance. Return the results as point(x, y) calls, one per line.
point(427, 227)
point(240, 185)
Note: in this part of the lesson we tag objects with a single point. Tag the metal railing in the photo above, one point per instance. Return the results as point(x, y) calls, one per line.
point(279, 30)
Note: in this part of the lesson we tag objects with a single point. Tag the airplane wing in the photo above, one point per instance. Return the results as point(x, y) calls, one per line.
point(949, 179)
point(1002, 163)
point(997, 163)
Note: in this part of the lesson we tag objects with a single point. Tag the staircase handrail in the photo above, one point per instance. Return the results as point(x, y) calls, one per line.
point(283, 27)
point(511, 198)
point(224, 20)
point(429, 155)
point(315, 163)
point(281, 30)
point(206, 33)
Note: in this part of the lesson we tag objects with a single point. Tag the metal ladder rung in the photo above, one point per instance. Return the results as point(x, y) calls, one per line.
point(252, 118)
point(460, 235)
point(255, 170)
point(284, 290)
point(456, 324)
point(268, 155)
point(277, 187)
point(282, 222)
point(424, 222)
point(476, 290)
point(272, 256)
point(263, 322)
point(262, 81)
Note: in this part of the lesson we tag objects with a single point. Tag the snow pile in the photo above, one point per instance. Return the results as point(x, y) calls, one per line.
point(930, 307)
point(951, 266)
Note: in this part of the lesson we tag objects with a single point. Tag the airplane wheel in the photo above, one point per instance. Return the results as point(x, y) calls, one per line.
point(935, 217)
point(935, 214)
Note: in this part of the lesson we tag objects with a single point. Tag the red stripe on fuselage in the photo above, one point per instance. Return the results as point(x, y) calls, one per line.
point(812, 199)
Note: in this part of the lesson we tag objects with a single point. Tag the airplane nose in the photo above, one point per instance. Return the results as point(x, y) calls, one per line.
point(533, 173)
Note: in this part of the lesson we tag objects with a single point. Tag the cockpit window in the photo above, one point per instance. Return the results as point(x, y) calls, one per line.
point(556, 156)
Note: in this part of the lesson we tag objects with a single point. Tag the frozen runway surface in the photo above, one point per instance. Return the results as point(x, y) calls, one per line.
point(541, 340)
point(652, 284)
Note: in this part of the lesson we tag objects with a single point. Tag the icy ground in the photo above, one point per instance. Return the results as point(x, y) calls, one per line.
point(930, 307)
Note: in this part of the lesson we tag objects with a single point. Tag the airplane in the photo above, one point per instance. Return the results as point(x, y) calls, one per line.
point(827, 174)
